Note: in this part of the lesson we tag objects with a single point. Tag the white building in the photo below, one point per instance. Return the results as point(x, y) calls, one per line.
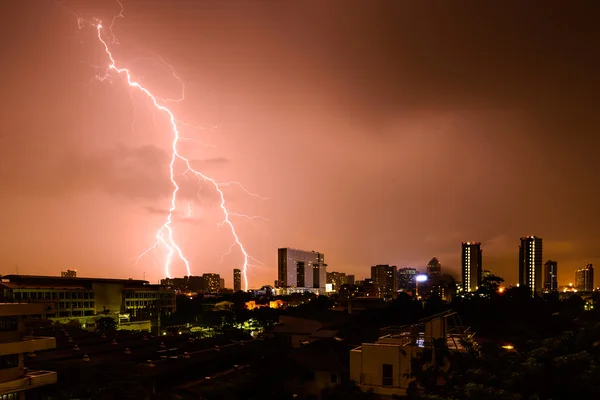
point(15, 379)
point(384, 366)
point(301, 269)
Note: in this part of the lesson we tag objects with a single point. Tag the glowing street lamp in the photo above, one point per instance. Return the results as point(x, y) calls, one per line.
point(419, 278)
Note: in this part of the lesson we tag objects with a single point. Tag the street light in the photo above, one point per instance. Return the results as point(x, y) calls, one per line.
point(419, 278)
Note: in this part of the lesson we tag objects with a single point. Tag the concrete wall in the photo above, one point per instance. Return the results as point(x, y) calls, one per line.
point(436, 328)
point(135, 326)
point(355, 365)
point(108, 296)
point(366, 367)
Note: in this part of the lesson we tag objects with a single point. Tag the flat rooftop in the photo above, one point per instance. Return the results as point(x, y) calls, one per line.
point(54, 281)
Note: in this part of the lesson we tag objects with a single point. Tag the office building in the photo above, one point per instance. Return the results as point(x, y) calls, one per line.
point(384, 278)
point(406, 278)
point(237, 280)
point(350, 279)
point(69, 273)
point(434, 267)
point(211, 283)
point(471, 266)
point(584, 278)
point(301, 269)
point(336, 279)
point(84, 299)
point(530, 263)
point(15, 378)
point(551, 275)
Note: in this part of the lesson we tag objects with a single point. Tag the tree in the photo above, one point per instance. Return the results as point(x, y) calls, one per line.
point(490, 284)
point(106, 324)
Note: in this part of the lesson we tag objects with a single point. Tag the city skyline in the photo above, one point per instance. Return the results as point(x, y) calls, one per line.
point(84, 163)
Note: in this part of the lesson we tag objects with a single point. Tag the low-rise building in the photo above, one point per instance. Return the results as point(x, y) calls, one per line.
point(385, 366)
point(83, 299)
point(15, 378)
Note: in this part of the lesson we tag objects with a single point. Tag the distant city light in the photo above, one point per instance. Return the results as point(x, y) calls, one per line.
point(421, 278)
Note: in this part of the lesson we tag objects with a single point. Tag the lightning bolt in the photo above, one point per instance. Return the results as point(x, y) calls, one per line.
point(164, 235)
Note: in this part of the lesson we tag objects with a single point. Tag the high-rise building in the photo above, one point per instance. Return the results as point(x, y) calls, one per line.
point(350, 279)
point(384, 279)
point(337, 279)
point(406, 278)
point(69, 273)
point(221, 283)
point(211, 283)
point(237, 280)
point(299, 268)
point(530, 263)
point(434, 267)
point(550, 275)
point(584, 278)
point(471, 266)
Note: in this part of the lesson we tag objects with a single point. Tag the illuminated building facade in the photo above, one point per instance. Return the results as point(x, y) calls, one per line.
point(530, 263)
point(337, 279)
point(550, 275)
point(406, 278)
point(584, 278)
point(434, 267)
point(15, 379)
point(302, 269)
point(211, 283)
point(237, 280)
point(471, 266)
point(83, 299)
point(384, 278)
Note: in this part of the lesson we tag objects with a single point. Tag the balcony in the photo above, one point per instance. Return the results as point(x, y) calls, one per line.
point(28, 344)
point(31, 380)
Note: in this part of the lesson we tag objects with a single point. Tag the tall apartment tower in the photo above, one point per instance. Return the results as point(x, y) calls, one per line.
point(299, 268)
point(384, 279)
point(530, 263)
point(550, 275)
point(237, 280)
point(584, 278)
point(434, 267)
point(471, 263)
point(211, 283)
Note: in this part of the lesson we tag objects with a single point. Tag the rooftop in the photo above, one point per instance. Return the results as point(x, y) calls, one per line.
point(66, 280)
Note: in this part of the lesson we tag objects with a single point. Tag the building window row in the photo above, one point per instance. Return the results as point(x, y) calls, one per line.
point(9, 361)
point(55, 295)
point(75, 304)
point(141, 295)
point(9, 324)
point(139, 303)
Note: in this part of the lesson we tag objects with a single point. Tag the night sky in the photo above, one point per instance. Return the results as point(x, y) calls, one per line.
point(381, 132)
